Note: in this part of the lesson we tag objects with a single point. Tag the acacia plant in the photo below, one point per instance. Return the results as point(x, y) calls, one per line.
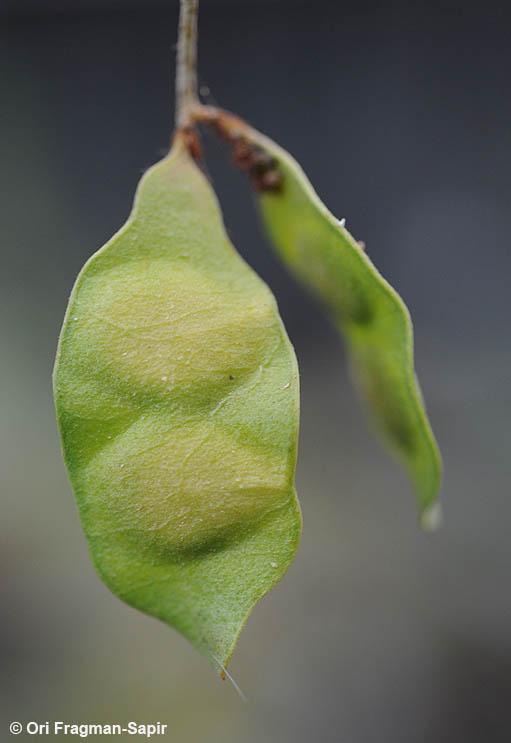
point(176, 385)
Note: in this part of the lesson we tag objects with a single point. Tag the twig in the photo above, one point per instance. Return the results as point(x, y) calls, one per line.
point(186, 69)
point(247, 144)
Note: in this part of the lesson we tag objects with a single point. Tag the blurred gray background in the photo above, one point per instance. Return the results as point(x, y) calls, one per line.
point(401, 115)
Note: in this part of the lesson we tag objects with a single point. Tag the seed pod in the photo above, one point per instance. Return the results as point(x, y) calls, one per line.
point(372, 317)
point(177, 399)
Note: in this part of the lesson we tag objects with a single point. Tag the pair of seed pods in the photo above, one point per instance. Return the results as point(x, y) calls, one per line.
point(177, 389)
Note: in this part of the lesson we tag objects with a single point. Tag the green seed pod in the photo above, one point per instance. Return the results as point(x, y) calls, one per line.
point(177, 399)
point(373, 319)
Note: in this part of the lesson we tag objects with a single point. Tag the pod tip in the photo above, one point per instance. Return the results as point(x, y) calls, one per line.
point(432, 517)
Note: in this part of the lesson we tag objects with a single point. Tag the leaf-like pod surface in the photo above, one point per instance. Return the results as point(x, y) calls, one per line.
point(176, 391)
point(372, 317)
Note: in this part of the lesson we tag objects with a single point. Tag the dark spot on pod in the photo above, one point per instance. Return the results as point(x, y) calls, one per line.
point(261, 167)
point(389, 408)
point(353, 305)
point(270, 180)
point(359, 311)
point(400, 431)
point(261, 161)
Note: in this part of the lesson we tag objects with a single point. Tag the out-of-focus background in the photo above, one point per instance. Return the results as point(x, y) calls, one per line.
point(401, 115)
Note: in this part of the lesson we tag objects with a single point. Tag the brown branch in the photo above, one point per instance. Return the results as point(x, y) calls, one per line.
point(247, 146)
point(186, 67)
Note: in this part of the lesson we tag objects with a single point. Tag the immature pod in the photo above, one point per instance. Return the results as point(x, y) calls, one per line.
point(177, 398)
point(372, 317)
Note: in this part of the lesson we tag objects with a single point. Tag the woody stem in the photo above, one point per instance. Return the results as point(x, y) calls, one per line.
point(186, 68)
